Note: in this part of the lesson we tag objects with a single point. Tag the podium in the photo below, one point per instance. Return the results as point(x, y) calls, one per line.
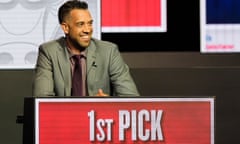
point(125, 120)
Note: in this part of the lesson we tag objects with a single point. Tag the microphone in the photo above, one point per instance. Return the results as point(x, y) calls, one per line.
point(94, 64)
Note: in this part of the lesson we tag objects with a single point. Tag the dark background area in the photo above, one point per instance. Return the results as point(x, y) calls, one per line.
point(162, 64)
point(183, 32)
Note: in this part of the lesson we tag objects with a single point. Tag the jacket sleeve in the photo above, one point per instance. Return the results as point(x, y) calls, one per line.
point(43, 76)
point(121, 79)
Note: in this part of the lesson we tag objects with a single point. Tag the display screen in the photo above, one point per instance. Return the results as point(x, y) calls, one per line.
point(220, 26)
point(24, 25)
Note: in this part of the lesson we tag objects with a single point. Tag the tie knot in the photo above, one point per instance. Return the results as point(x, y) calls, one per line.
point(77, 57)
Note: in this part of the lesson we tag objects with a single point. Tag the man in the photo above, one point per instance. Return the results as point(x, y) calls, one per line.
point(103, 69)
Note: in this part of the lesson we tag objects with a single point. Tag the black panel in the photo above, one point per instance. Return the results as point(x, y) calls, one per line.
point(28, 121)
point(183, 32)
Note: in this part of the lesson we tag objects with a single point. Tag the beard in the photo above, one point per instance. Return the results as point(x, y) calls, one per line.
point(76, 44)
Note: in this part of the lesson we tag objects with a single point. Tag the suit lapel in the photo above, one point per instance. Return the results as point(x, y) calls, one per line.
point(91, 57)
point(64, 67)
point(91, 67)
point(65, 70)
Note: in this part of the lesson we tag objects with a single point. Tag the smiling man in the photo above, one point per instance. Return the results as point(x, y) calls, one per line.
point(97, 64)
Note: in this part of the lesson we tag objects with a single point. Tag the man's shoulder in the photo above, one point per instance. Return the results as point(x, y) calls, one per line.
point(103, 43)
point(103, 48)
point(54, 42)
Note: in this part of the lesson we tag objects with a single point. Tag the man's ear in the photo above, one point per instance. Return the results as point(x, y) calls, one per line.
point(65, 28)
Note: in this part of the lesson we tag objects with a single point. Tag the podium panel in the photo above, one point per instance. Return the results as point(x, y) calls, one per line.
point(111, 120)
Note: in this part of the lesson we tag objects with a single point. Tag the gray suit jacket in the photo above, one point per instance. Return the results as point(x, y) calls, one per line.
point(105, 69)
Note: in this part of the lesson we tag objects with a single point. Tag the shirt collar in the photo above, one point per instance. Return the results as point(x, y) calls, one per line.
point(83, 53)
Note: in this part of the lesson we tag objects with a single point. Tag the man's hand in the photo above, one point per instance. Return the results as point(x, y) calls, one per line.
point(101, 93)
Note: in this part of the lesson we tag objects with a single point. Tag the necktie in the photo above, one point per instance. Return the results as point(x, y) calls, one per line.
point(77, 86)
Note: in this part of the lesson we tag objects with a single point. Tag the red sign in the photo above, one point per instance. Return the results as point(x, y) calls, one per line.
point(124, 120)
point(133, 15)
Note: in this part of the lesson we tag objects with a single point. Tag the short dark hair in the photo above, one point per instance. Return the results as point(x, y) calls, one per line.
point(65, 9)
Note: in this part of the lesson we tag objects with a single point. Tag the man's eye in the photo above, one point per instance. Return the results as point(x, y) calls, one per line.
point(80, 24)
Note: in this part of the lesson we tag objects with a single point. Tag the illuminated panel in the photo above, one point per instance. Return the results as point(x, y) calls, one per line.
point(124, 120)
point(25, 24)
point(220, 26)
point(133, 16)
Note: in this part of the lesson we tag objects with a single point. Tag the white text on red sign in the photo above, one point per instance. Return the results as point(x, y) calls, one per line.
point(128, 120)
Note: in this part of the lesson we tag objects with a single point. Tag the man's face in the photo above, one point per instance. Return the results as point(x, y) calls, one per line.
point(78, 27)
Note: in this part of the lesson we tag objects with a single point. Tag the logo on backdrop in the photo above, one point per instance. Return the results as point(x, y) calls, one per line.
point(23, 25)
